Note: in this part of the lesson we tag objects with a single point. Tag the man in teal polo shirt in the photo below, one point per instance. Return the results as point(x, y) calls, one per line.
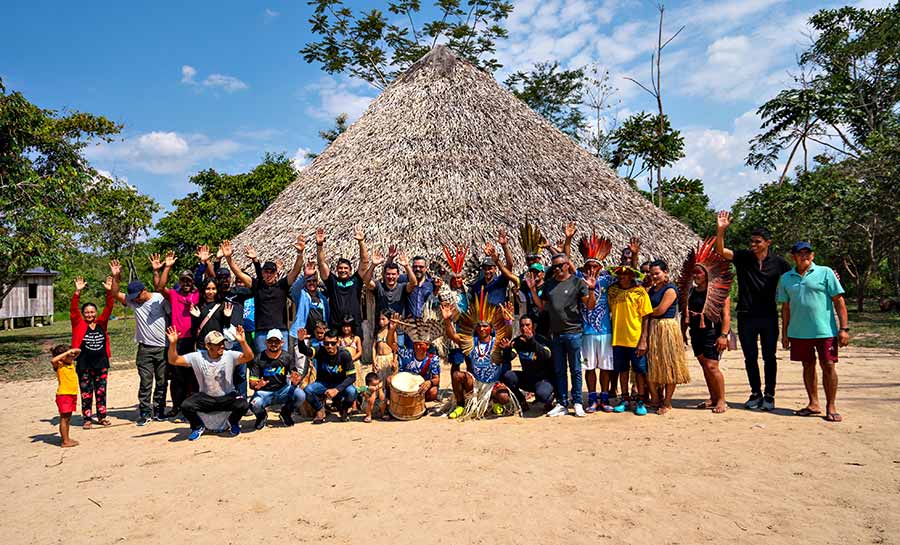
point(809, 295)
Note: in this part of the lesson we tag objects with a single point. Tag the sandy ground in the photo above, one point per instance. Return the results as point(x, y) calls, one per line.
point(689, 477)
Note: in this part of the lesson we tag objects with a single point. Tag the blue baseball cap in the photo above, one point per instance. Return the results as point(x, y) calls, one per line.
point(800, 246)
point(134, 289)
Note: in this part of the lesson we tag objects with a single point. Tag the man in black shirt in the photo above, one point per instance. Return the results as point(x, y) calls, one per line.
point(275, 379)
point(335, 374)
point(537, 373)
point(270, 292)
point(391, 292)
point(758, 272)
point(344, 288)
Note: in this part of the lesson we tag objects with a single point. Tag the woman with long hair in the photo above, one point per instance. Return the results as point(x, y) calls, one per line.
point(665, 349)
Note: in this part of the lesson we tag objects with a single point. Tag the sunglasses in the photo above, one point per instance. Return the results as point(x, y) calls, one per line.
point(273, 341)
point(329, 343)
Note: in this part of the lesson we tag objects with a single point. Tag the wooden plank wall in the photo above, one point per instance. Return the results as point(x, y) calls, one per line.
point(18, 305)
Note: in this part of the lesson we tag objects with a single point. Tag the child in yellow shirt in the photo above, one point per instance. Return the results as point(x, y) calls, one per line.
point(67, 392)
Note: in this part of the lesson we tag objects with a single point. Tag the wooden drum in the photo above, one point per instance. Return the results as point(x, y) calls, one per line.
point(406, 401)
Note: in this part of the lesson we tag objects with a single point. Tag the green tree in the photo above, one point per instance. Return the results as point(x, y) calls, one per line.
point(224, 205)
point(600, 98)
point(376, 47)
point(555, 94)
point(330, 135)
point(686, 199)
point(639, 147)
point(47, 188)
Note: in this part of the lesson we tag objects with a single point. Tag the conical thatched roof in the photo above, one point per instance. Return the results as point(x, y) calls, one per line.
point(446, 154)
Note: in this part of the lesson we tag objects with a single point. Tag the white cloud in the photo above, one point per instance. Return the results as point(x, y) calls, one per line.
point(229, 84)
point(187, 74)
point(271, 13)
point(339, 96)
point(161, 152)
point(300, 159)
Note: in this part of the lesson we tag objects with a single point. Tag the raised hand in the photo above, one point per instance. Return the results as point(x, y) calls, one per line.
point(170, 259)
point(530, 280)
point(504, 343)
point(634, 245)
point(558, 247)
point(570, 230)
point(219, 254)
point(300, 244)
point(723, 219)
point(507, 309)
point(359, 234)
point(392, 252)
point(107, 284)
point(227, 310)
point(402, 260)
point(310, 268)
point(279, 265)
point(377, 258)
point(195, 312)
point(590, 280)
point(320, 236)
point(301, 334)
point(489, 249)
point(502, 237)
point(172, 335)
point(226, 249)
point(239, 335)
point(115, 268)
point(203, 253)
point(155, 261)
point(250, 252)
point(446, 311)
point(80, 284)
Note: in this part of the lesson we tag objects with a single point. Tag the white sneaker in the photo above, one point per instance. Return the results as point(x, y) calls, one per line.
point(579, 410)
point(559, 410)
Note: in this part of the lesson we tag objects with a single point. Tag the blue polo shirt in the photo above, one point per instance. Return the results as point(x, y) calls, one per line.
point(812, 311)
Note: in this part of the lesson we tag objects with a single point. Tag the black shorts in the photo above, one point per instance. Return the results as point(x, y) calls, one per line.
point(703, 341)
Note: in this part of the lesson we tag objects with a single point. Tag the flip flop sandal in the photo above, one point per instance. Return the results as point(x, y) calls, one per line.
point(703, 405)
point(834, 417)
point(87, 425)
point(105, 422)
point(805, 411)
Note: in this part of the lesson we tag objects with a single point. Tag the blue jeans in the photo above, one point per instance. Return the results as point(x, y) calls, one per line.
point(315, 393)
point(567, 346)
point(292, 395)
point(240, 379)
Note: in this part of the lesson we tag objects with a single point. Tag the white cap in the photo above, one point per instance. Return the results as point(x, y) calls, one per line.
point(274, 334)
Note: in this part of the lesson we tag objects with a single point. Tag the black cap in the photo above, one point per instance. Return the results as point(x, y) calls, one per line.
point(269, 266)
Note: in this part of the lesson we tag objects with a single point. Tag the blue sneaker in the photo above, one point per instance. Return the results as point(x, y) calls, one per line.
point(195, 434)
point(640, 410)
point(621, 407)
point(236, 429)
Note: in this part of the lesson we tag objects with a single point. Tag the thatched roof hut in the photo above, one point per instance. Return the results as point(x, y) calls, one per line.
point(445, 154)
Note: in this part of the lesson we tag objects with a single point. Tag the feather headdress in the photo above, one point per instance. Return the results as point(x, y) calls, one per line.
point(481, 311)
point(456, 258)
point(531, 239)
point(718, 281)
point(594, 248)
point(419, 330)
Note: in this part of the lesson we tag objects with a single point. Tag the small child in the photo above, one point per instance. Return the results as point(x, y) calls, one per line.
point(67, 392)
point(374, 397)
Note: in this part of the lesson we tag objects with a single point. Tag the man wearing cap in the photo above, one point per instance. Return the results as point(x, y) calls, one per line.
point(214, 369)
point(563, 297)
point(809, 295)
point(275, 379)
point(344, 288)
point(181, 380)
point(493, 284)
point(758, 271)
point(335, 375)
point(150, 336)
point(270, 293)
point(534, 278)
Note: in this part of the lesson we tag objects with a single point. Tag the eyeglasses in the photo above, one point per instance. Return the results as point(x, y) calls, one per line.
point(329, 343)
point(273, 341)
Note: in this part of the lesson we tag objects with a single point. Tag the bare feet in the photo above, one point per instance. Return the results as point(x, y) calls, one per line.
point(320, 416)
point(105, 422)
point(87, 425)
point(367, 419)
point(663, 410)
point(68, 444)
point(720, 408)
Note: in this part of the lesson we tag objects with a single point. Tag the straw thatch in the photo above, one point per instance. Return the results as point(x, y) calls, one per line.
point(445, 154)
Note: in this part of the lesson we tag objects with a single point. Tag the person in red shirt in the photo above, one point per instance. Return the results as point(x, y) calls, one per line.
point(89, 334)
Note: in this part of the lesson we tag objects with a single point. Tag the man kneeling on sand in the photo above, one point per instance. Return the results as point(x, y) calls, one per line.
point(214, 369)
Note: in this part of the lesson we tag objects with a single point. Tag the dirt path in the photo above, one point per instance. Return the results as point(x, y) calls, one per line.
point(690, 477)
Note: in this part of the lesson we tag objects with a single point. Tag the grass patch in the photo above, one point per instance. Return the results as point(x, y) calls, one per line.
point(25, 352)
point(873, 328)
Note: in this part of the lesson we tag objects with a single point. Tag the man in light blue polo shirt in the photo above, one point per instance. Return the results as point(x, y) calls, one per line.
point(809, 295)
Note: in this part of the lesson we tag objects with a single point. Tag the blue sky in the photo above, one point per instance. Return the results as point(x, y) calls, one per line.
point(217, 84)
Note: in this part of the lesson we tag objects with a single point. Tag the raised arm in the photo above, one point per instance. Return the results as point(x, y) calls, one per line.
point(368, 275)
point(360, 237)
point(635, 246)
point(590, 301)
point(392, 336)
point(56, 361)
point(411, 280)
point(204, 259)
point(532, 288)
point(75, 305)
point(103, 319)
point(174, 357)
point(115, 269)
point(449, 330)
point(228, 254)
point(723, 220)
point(156, 266)
point(299, 245)
point(246, 352)
point(569, 231)
point(164, 276)
point(324, 271)
point(503, 241)
point(491, 251)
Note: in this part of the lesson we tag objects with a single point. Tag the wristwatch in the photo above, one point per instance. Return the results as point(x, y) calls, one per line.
point(847, 329)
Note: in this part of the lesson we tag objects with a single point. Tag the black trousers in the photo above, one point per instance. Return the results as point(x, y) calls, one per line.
point(205, 403)
point(182, 381)
point(765, 330)
point(514, 380)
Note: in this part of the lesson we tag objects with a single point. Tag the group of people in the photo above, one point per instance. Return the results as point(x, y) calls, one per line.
point(225, 341)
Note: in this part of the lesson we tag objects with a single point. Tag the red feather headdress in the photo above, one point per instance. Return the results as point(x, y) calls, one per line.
point(594, 248)
point(456, 259)
point(718, 281)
